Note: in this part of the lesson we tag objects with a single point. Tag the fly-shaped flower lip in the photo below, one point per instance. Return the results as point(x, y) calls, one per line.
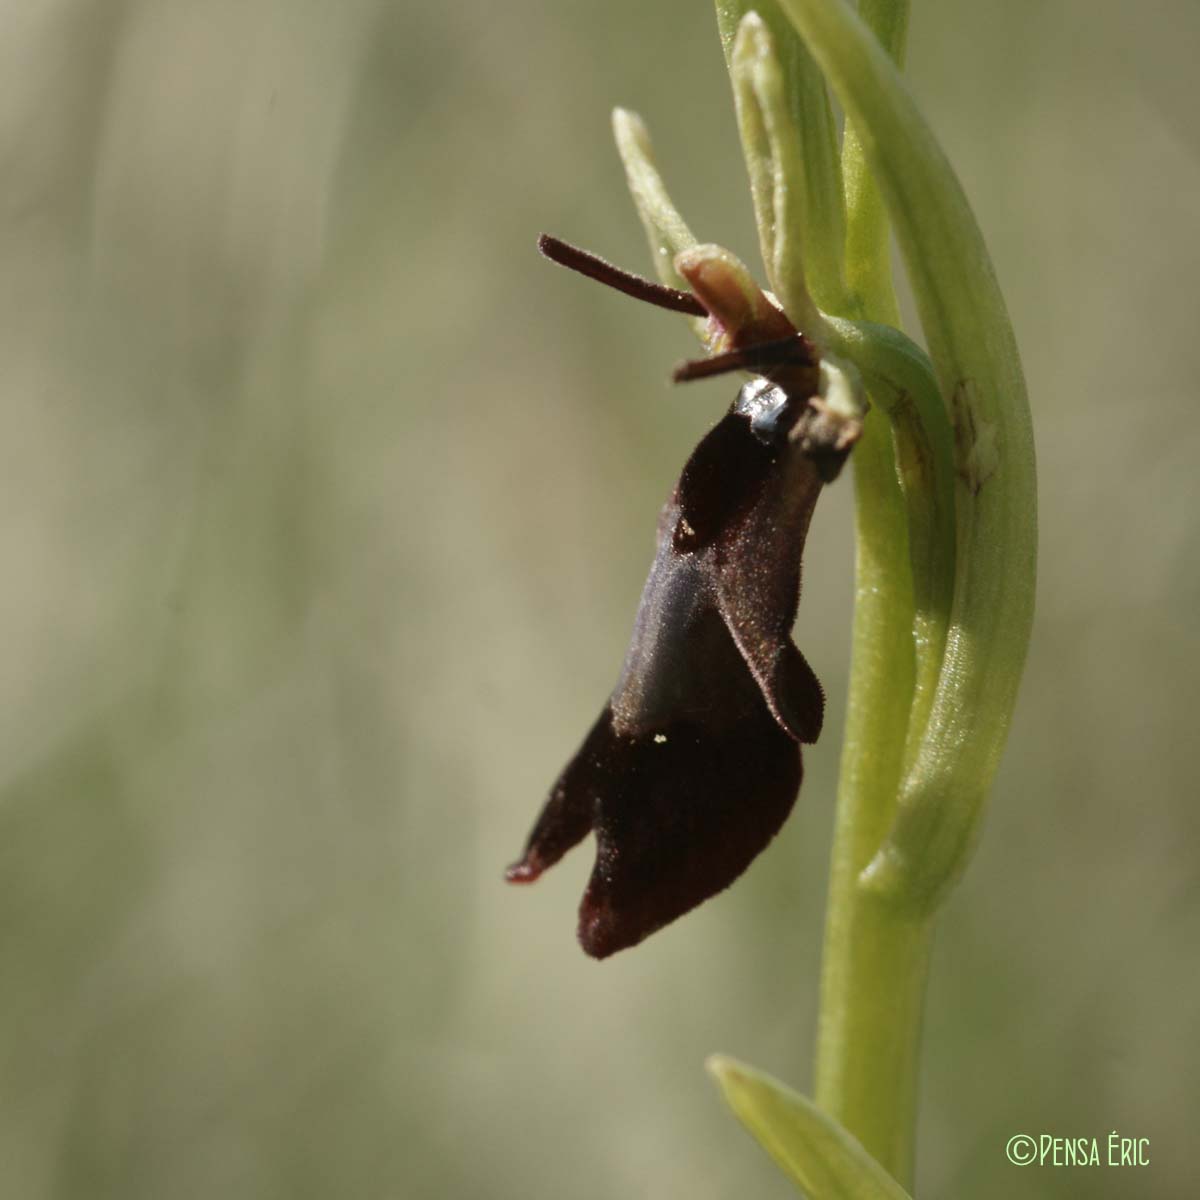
point(694, 763)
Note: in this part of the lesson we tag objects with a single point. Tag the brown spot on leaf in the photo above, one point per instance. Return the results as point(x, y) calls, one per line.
point(976, 455)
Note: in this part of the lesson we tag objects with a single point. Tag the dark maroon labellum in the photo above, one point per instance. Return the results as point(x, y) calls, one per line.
point(694, 763)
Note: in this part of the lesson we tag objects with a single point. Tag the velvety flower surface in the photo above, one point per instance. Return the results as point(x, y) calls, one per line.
point(694, 763)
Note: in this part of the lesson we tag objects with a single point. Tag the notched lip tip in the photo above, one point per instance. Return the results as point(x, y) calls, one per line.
point(590, 939)
point(600, 940)
point(597, 952)
point(521, 872)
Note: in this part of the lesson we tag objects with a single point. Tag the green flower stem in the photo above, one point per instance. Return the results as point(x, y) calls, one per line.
point(876, 954)
point(874, 962)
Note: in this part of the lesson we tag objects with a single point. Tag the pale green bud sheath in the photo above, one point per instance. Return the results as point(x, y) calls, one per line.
point(781, 98)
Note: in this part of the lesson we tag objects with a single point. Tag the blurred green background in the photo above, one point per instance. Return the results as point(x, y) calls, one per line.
point(326, 506)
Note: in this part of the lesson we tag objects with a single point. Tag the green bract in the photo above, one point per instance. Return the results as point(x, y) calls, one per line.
point(811, 1148)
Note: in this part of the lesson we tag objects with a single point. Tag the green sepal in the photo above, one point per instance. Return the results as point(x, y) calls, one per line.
point(781, 98)
point(666, 231)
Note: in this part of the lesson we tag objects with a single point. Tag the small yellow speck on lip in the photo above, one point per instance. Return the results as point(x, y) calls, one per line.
point(660, 738)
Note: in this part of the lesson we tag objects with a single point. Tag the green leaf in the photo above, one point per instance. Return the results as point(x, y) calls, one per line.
point(975, 356)
point(811, 1148)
